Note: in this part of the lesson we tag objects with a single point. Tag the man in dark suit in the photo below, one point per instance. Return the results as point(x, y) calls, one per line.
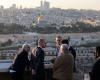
point(38, 70)
point(95, 73)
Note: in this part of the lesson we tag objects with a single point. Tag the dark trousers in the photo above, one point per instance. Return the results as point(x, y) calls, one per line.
point(33, 77)
point(40, 75)
point(16, 76)
point(54, 79)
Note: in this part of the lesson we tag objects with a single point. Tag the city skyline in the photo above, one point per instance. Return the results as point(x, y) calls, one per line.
point(64, 4)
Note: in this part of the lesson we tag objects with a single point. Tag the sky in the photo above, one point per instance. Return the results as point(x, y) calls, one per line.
point(64, 4)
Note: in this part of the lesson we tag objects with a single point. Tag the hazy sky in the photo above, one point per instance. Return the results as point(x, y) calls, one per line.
point(65, 4)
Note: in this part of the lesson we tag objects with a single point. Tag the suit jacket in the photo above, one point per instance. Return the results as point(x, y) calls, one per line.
point(73, 52)
point(63, 67)
point(38, 60)
point(95, 73)
point(37, 63)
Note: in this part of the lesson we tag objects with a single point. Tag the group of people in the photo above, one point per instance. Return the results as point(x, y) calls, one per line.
point(65, 73)
point(63, 65)
point(35, 61)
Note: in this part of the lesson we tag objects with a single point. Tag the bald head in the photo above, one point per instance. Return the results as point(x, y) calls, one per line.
point(42, 43)
point(64, 48)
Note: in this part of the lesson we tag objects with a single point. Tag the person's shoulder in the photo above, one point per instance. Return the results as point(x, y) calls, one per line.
point(39, 49)
point(69, 56)
point(20, 53)
point(71, 48)
point(65, 56)
point(98, 62)
point(36, 49)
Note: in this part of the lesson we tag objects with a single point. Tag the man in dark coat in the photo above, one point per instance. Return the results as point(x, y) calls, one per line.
point(95, 73)
point(20, 62)
point(38, 70)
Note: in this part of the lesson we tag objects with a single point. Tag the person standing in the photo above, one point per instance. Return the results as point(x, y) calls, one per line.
point(95, 73)
point(63, 65)
point(20, 62)
point(38, 70)
point(58, 44)
point(71, 49)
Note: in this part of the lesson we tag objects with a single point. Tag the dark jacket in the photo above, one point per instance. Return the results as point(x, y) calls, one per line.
point(38, 63)
point(73, 52)
point(20, 62)
point(95, 73)
point(38, 60)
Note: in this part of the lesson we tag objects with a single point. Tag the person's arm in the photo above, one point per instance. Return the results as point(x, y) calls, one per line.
point(15, 61)
point(18, 58)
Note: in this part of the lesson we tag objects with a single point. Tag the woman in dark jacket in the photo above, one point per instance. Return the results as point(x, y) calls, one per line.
point(20, 62)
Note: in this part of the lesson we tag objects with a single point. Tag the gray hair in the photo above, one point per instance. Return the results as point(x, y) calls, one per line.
point(65, 47)
point(24, 45)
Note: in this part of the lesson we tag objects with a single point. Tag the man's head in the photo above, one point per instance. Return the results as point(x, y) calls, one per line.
point(97, 53)
point(65, 41)
point(41, 43)
point(58, 40)
point(64, 48)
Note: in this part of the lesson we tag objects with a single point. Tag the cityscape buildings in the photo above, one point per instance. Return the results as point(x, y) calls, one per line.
point(45, 15)
point(26, 16)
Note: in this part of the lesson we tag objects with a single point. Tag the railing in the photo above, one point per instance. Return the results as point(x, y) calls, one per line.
point(5, 64)
point(5, 75)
